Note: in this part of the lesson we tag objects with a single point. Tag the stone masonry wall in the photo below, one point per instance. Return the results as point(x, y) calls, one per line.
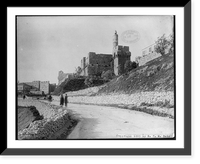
point(96, 63)
point(143, 60)
point(100, 59)
point(136, 98)
point(44, 86)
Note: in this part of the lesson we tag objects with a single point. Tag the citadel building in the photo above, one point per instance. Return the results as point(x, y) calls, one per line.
point(120, 55)
point(35, 86)
point(94, 64)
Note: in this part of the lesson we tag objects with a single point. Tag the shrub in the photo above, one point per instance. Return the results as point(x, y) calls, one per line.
point(162, 44)
point(74, 85)
point(78, 71)
point(128, 66)
point(89, 81)
point(108, 75)
point(134, 65)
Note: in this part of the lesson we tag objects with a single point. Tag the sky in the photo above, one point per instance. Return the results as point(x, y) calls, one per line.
point(49, 44)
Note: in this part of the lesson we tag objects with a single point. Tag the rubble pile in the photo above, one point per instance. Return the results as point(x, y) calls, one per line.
point(46, 128)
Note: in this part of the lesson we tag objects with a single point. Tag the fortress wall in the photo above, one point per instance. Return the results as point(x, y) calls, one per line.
point(44, 86)
point(147, 58)
point(101, 59)
point(100, 68)
point(116, 66)
point(122, 61)
point(96, 63)
point(91, 70)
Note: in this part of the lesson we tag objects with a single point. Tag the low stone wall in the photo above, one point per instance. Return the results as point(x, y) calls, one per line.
point(155, 103)
point(147, 58)
point(137, 98)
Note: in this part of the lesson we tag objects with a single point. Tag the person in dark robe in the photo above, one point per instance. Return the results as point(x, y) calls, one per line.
point(50, 98)
point(66, 100)
point(61, 100)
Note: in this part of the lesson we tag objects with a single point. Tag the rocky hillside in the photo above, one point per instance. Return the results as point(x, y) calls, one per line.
point(70, 85)
point(156, 75)
point(75, 84)
point(148, 88)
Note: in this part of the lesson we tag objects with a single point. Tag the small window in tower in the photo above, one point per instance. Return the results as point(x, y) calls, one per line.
point(150, 49)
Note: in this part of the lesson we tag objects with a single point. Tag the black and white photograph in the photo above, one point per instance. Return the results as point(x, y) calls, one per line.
point(105, 77)
point(98, 81)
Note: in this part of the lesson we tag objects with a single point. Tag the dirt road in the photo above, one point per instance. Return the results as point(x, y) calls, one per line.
point(109, 122)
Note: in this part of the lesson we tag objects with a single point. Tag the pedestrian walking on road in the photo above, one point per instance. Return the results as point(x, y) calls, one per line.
point(66, 100)
point(61, 100)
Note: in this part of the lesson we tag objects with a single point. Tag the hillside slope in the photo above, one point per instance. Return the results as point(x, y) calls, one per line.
point(70, 85)
point(156, 75)
point(148, 88)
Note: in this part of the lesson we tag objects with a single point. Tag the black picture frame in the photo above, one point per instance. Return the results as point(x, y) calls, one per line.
point(127, 151)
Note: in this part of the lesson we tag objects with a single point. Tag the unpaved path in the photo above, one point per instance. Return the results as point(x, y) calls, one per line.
point(109, 122)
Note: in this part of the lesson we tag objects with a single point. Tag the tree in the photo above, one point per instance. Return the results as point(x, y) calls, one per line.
point(162, 44)
point(171, 42)
point(78, 71)
point(134, 65)
point(128, 66)
point(89, 81)
point(107, 75)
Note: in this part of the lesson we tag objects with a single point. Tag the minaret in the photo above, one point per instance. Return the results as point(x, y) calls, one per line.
point(115, 41)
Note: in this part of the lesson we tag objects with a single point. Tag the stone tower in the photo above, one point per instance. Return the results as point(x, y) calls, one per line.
point(115, 40)
point(120, 55)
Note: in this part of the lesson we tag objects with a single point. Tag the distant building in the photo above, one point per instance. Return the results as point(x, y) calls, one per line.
point(23, 88)
point(120, 54)
point(95, 64)
point(35, 85)
point(149, 53)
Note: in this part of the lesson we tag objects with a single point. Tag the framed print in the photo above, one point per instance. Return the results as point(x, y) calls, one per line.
point(98, 80)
